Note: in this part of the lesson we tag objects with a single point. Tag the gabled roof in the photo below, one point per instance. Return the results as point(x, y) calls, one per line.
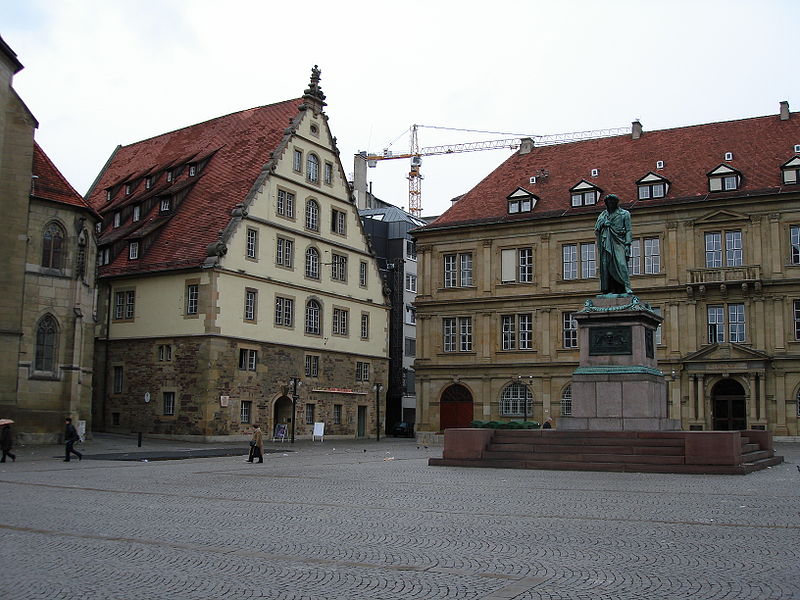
point(759, 145)
point(233, 149)
point(50, 184)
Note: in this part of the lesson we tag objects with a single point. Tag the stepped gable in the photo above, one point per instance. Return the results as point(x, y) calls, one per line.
point(759, 145)
point(231, 151)
point(50, 184)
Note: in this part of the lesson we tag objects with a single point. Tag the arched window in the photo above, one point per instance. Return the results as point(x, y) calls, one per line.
point(312, 168)
point(312, 263)
point(516, 401)
point(46, 338)
point(566, 401)
point(312, 215)
point(53, 247)
point(313, 312)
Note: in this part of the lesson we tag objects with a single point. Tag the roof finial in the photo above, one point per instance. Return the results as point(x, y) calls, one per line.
point(313, 93)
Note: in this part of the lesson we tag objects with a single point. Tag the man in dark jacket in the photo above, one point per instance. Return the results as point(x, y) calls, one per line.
point(6, 442)
point(70, 437)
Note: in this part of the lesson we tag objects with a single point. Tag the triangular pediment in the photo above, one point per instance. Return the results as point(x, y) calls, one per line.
point(582, 186)
point(792, 163)
point(721, 353)
point(652, 178)
point(520, 193)
point(721, 216)
point(722, 169)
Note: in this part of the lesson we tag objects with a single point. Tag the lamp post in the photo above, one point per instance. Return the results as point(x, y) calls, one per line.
point(528, 386)
point(377, 387)
point(293, 383)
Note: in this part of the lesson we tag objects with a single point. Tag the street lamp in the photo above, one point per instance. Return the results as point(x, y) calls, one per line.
point(293, 383)
point(377, 387)
point(528, 386)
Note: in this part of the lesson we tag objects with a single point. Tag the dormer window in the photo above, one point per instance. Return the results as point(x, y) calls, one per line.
point(192, 170)
point(521, 201)
point(128, 189)
point(148, 183)
point(117, 219)
point(108, 196)
point(133, 250)
point(585, 194)
point(723, 179)
point(137, 211)
point(104, 256)
point(652, 186)
point(791, 171)
point(169, 176)
point(165, 204)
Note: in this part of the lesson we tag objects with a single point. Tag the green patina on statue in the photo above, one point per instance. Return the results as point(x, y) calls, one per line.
point(614, 236)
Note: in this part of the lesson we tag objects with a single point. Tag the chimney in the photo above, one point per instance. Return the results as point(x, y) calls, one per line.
point(525, 145)
point(636, 130)
point(785, 110)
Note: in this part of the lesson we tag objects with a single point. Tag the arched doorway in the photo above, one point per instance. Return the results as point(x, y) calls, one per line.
point(455, 408)
point(282, 413)
point(728, 406)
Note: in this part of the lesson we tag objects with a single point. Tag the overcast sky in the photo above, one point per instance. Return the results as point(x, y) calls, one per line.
point(99, 73)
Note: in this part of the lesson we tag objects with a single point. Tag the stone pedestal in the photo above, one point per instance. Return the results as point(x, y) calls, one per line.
point(618, 386)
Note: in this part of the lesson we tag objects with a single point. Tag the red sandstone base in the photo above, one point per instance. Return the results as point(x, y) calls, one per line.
point(721, 452)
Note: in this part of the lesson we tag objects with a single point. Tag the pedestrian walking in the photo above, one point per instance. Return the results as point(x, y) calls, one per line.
point(70, 437)
point(6, 442)
point(548, 423)
point(257, 445)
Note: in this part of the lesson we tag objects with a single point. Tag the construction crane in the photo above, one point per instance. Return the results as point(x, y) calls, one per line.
point(416, 153)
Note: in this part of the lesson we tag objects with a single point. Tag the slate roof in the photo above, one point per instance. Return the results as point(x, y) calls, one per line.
point(229, 153)
point(51, 185)
point(759, 145)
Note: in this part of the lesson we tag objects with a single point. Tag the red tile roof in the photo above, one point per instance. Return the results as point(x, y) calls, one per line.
point(230, 153)
point(759, 145)
point(50, 184)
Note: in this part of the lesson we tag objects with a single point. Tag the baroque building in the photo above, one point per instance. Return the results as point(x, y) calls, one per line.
point(236, 283)
point(716, 252)
point(47, 288)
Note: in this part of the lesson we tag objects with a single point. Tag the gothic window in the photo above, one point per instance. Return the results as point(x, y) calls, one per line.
point(46, 338)
point(53, 247)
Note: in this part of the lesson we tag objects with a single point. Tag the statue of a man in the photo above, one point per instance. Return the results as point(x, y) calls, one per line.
point(614, 236)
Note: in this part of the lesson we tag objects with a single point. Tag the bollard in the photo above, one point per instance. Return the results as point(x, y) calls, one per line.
point(140, 439)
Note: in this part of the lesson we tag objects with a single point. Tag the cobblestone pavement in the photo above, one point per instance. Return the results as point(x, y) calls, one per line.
point(366, 520)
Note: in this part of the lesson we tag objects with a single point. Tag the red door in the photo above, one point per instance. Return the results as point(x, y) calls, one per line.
point(455, 408)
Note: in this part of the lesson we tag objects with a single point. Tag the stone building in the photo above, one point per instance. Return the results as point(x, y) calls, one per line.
point(716, 252)
point(234, 273)
point(47, 287)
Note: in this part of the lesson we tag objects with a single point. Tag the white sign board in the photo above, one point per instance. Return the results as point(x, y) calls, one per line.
point(319, 431)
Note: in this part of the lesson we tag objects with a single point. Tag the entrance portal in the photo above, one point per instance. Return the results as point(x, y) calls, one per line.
point(282, 413)
point(455, 408)
point(729, 406)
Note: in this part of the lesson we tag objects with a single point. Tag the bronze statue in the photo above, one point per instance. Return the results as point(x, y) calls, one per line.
point(614, 236)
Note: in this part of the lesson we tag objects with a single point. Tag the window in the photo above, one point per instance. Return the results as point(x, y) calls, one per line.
point(570, 329)
point(297, 160)
point(284, 254)
point(148, 182)
point(118, 380)
point(169, 403)
point(516, 400)
point(337, 414)
point(587, 262)
point(164, 352)
point(339, 267)
point(338, 222)
point(457, 334)
point(170, 176)
point(46, 338)
point(117, 220)
point(517, 331)
point(716, 323)
point(128, 189)
point(794, 240)
point(566, 401)
point(165, 204)
point(362, 371)
point(790, 171)
point(723, 179)
point(732, 250)
point(410, 347)
point(192, 170)
point(364, 326)
point(340, 321)
point(248, 359)
point(328, 173)
point(245, 412)
point(109, 195)
point(313, 326)
point(584, 194)
point(312, 365)
point(657, 336)
point(736, 323)
point(797, 319)
point(362, 273)
point(312, 168)
point(312, 215)
point(411, 315)
point(411, 282)
point(133, 250)
point(458, 270)
point(284, 312)
point(310, 409)
point(250, 304)
point(312, 263)
point(411, 249)
point(137, 213)
point(124, 305)
point(53, 247)
point(652, 256)
point(521, 201)
point(652, 186)
point(285, 204)
point(516, 264)
point(192, 296)
point(252, 243)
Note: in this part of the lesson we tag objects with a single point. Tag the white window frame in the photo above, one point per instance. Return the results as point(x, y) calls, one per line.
point(723, 243)
point(284, 311)
point(312, 263)
point(338, 267)
point(313, 318)
point(570, 330)
point(250, 304)
point(252, 243)
point(364, 326)
point(516, 400)
point(341, 321)
point(411, 282)
point(284, 253)
point(566, 401)
point(133, 251)
point(248, 359)
point(312, 365)
point(285, 204)
point(312, 168)
point(192, 298)
point(312, 215)
point(362, 273)
point(297, 160)
point(246, 411)
point(794, 244)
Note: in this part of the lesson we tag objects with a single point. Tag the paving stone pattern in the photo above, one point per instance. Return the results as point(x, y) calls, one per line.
point(367, 520)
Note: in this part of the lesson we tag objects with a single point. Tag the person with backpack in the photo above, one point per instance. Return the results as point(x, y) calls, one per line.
point(70, 437)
